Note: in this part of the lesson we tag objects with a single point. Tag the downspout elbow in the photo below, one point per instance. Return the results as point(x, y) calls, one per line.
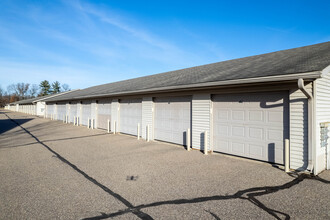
point(301, 86)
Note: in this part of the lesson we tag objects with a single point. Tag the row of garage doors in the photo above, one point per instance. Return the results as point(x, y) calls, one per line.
point(249, 125)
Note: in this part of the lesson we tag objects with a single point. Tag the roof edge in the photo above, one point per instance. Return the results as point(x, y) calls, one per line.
point(57, 94)
point(325, 71)
point(309, 75)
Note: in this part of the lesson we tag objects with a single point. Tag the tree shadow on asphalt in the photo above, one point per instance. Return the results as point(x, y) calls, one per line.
point(246, 195)
point(54, 140)
point(130, 206)
point(6, 125)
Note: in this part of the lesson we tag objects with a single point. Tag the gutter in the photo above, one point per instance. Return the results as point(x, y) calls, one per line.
point(311, 145)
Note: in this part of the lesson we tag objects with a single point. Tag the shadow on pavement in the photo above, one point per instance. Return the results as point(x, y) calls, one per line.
point(249, 195)
point(6, 124)
point(121, 199)
point(54, 140)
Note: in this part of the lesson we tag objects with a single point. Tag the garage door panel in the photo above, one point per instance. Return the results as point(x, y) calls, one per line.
point(276, 117)
point(73, 112)
point(172, 118)
point(256, 133)
point(238, 131)
point(61, 111)
point(103, 114)
point(251, 125)
point(238, 148)
point(256, 151)
point(238, 115)
point(275, 135)
point(130, 115)
point(257, 116)
point(86, 110)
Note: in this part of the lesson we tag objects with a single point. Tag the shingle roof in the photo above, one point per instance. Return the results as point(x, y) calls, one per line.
point(298, 60)
point(43, 98)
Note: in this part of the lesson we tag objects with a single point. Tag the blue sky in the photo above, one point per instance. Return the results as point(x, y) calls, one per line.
point(86, 43)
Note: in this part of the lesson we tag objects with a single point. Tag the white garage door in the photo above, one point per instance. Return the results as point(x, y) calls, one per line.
point(86, 108)
point(251, 125)
point(50, 110)
point(61, 111)
point(172, 119)
point(130, 115)
point(73, 112)
point(103, 113)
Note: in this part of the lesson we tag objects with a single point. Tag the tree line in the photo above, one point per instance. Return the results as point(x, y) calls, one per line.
point(20, 91)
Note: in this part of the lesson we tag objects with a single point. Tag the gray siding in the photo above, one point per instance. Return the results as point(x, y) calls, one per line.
point(299, 129)
point(322, 101)
point(147, 117)
point(201, 107)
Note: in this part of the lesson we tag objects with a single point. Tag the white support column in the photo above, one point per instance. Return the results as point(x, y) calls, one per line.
point(138, 131)
point(188, 139)
point(92, 122)
point(88, 123)
point(148, 133)
point(205, 143)
point(108, 126)
point(287, 156)
point(114, 127)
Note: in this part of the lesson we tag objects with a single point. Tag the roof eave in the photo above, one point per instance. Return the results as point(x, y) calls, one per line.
point(309, 75)
point(55, 95)
point(325, 71)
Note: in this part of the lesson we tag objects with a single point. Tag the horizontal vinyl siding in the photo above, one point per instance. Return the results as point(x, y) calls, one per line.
point(299, 129)
point(322, 101)
point(201, 106)
point(147, 117)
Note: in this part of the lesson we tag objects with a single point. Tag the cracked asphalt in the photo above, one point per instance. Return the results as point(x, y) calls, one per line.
point(51, 170)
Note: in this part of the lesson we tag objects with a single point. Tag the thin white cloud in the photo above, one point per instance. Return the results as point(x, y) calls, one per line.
point(115, 20)
point(92, 45)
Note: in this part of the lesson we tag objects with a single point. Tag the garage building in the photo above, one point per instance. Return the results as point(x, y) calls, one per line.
point(245, 107)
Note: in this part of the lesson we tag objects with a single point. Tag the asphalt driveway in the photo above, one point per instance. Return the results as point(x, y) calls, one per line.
point(51, 170)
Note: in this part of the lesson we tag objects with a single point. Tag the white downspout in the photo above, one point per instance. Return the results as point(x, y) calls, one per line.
point(311, 147)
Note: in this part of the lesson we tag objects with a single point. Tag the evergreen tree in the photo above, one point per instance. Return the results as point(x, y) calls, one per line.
point(45, 88)
point(56, 87)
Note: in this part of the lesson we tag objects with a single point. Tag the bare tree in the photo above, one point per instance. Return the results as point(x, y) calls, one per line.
point(11, 89)
point(65, 87)
point(33, 91)
point(22, 89)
